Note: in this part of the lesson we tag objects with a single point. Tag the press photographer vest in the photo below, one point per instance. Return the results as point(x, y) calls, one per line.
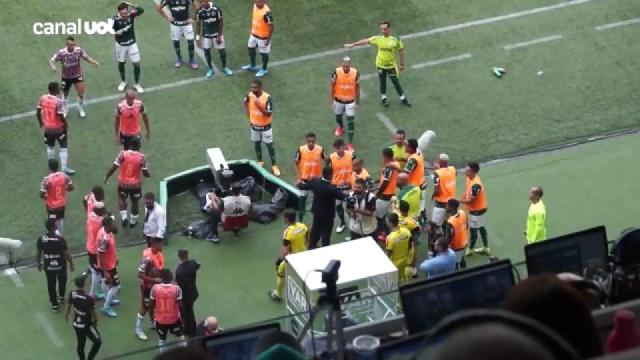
point(363, 224)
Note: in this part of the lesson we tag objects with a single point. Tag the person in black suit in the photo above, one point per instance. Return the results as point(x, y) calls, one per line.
point(323, 208)
point(186, 279)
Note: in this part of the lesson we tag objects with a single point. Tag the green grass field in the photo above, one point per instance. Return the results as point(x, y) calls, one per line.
point(589, 87)
point(237, 274)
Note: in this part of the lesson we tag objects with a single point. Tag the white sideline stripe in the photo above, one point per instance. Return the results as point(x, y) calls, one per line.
point(496, 19)
point(48, 328)
point(533, 42)
point(318, 55)
point(368, 76)
point(617, 24)
point(387, 122)
point(442, 61)
point(13, 275)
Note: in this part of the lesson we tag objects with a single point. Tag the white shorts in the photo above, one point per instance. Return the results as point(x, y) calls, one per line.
point(129, 51)
point(207, 43)
point(342, 108)
point(438, 214)
point(266, 136)
point(423, 200)
point(459, 256)
point(476, 221)
point(382, 208)
point(263, 48)
point(185, 30)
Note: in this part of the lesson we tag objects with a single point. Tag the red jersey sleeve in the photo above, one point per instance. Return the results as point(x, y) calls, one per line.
point(44, 185)
point(143, 163)
point(118, 161)
point(60, 107)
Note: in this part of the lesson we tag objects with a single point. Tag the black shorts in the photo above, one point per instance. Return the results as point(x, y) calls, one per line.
point(390, 72)
point(125, 140)
point(129, 192)
point(57, 213)
point(93, 262)
point(51, 136)
point(115, 279)
point(163, 329)
point(66, 83)
point(145, 296)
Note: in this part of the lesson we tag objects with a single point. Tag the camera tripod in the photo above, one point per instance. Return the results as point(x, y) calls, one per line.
point(331, 301)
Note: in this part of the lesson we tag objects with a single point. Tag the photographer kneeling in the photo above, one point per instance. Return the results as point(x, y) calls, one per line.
point(361, 207)
point(235, 204)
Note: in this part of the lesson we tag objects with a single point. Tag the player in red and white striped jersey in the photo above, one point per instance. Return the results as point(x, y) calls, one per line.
point(89, 200)
point(133, 166)
point(127, 121)
point(70, 56)
point(53, 190)
point(52, 120)
point(166, 300)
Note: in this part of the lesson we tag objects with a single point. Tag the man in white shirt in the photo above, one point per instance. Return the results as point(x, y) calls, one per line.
point(155, 219)
point(235, 204)
point(362, 220)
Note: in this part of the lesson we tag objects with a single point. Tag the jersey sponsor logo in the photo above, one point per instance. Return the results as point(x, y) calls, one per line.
point(74, 28)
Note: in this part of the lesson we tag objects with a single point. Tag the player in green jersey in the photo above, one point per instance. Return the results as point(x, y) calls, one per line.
point(389, 46)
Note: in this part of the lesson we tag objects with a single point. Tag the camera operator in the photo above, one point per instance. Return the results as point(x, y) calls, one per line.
point(361, 207)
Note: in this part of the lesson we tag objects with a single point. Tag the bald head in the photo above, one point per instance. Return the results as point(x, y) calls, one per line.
point(403, 179)
point(443, 160)
point(130, 95)
point(211, 323)
point(346, 64)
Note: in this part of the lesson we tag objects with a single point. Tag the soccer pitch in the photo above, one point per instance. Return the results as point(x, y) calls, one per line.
point(586, 50)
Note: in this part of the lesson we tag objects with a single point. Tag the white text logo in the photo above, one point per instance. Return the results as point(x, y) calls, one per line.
point(74, 28)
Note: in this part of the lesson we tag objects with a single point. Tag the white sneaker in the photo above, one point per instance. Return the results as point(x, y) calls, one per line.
point(122, 85)
point(142, 336)
point(138, 88)
point(81, 111)
point(340, 229)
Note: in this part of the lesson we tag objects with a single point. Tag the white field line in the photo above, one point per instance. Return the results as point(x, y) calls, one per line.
point(387, 122)
point(617, 24)
point(13, 275)
point(368, 76)
point(442, 61)
point(318, 55)
point(533, 42)
point(49, 330)
point(496, 19)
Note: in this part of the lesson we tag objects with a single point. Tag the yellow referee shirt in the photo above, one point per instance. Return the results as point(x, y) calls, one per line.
point(296, 236)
